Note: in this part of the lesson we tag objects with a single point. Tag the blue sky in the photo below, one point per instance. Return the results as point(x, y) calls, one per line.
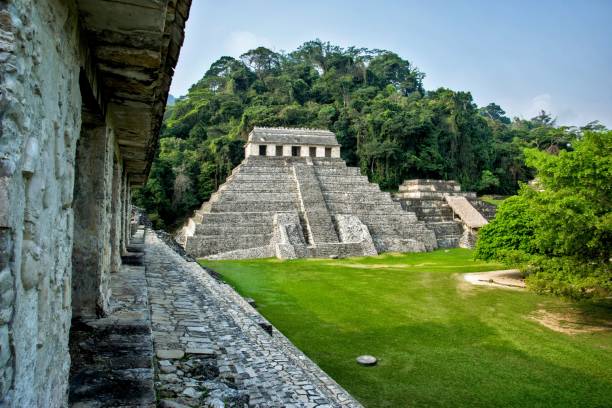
point(523, 55)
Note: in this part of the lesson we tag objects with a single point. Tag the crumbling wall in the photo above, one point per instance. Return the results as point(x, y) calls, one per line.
point(40, 107)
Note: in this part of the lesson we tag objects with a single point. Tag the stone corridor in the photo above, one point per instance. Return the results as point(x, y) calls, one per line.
point(212, 347)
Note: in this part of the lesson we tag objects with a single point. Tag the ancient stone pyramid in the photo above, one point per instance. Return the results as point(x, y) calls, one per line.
point(293, 196)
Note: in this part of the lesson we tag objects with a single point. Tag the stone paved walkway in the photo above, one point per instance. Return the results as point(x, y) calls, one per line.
point(214, 349)
point(112, 357)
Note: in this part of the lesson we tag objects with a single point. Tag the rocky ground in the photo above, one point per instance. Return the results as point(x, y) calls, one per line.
point(213, 349)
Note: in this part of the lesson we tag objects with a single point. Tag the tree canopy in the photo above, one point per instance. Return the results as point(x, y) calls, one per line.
point(373, 100)
point(559, 228)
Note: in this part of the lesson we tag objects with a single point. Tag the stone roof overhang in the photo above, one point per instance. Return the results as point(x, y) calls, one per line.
point(293, 136)
point(131, 48)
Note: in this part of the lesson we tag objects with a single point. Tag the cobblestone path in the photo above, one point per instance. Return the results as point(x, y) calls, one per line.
point(214, 349)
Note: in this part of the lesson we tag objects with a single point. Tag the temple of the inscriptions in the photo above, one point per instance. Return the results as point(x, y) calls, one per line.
point(293, 197)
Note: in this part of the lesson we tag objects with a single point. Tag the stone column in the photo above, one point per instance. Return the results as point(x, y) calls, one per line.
point(91, 253)
point(117, 214)
point(126, 212)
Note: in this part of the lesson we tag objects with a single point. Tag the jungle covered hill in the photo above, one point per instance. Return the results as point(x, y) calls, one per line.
point(373, 100)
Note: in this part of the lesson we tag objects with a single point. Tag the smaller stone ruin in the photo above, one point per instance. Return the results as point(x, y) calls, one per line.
point(455, 216)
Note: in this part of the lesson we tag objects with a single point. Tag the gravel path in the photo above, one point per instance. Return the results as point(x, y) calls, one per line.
point(508, 278)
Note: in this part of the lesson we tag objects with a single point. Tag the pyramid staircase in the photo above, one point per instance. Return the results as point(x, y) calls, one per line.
point(336, 212)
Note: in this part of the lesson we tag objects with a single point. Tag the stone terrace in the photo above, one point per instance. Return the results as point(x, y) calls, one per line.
point(212, 346)
point(320, 192)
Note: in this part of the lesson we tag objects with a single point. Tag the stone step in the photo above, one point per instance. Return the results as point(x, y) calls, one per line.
point(269, 178)
point(417, 203)
point(254, 206)
point(401, 229)
point(430, 195)
point(356, 208)
point(246, 196)
point(339, 250)
point(340, 171)
point(442, 213)
point(358, 197)
point(327, 179)
point(205, 245)
point(364, 188)
point(257, 186)
point(391, 218)
point(434, 218)
point(260, 168)
point(239, 217)
point(223, 229)
point(446, 228)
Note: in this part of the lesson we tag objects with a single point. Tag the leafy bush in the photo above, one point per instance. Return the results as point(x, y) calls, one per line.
point(509, 237)
point(559, 230)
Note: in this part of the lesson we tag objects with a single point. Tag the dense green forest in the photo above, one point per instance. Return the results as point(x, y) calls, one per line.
point(373, 100)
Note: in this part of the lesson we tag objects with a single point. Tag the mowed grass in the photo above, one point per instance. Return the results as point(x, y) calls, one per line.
point(497, 201)
point(440, 341)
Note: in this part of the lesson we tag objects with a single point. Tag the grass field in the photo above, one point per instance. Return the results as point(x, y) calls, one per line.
point(440, 341)
point(496, 201)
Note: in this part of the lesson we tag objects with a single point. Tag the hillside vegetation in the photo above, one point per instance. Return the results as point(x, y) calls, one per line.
point(374, 101)
point(558, 230)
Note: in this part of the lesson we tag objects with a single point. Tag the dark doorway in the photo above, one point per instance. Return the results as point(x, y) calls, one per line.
point(295, 150)
point(279, 150)
point(313, 152)
point(262, 150)
point(328, 152)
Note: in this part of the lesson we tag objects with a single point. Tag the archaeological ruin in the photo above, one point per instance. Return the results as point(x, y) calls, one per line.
point(83, 87)
point(454, 216)
point(96, 309)
point(294, 197)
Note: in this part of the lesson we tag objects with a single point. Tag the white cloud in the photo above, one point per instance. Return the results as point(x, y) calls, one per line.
point(560, 111)
point(240, 42)
point(539, 103)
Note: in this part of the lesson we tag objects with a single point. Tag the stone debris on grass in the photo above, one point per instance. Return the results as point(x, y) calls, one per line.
point(367, 360)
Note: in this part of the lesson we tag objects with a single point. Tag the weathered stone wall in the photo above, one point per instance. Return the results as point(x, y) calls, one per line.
point(40, 108)
point(116, 217)
point(57, 57)
point(91, 254)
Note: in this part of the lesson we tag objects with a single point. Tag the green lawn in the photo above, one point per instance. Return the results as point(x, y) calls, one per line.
point(496, 201)
point(440, 341)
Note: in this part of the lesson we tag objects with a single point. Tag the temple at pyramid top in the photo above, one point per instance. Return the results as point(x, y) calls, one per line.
point(287, 142)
